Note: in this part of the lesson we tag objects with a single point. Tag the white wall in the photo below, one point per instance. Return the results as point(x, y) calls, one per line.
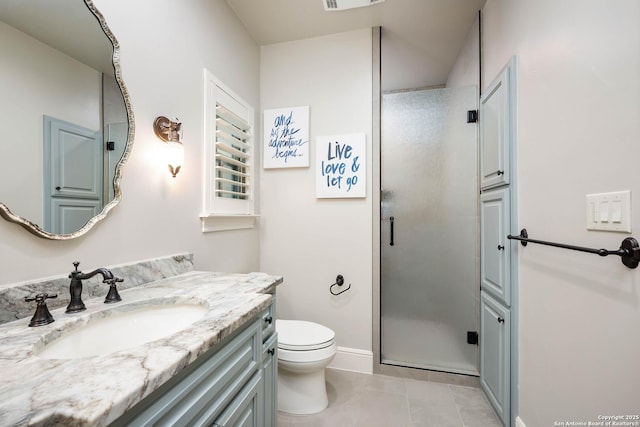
point(578, 133)
point(163, 51)
point(307, 240)
point(465, 71)
point(32, 84)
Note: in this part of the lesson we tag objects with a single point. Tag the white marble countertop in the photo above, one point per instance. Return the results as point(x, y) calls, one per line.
point(97, 390)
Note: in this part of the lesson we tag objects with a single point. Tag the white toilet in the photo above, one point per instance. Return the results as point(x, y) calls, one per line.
point(304, 350)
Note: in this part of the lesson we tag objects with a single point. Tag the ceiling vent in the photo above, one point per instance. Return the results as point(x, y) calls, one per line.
point(336, 5)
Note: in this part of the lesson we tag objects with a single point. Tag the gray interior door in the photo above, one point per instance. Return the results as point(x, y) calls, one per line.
point(73, 175)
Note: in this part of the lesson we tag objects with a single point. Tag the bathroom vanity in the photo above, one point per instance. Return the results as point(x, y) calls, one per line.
point(232, 384)
point(219, 370)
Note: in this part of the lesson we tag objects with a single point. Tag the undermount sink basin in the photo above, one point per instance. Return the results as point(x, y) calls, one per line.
point(123, 330)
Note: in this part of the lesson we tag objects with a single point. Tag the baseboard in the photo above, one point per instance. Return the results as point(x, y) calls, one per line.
point(519, 422)
point(353, 359)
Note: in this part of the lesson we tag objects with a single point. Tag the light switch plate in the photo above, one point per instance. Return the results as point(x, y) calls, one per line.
point(609, 211)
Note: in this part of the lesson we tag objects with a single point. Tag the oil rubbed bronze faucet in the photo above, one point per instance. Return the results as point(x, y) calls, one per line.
point(75, 287)
point(42, 315)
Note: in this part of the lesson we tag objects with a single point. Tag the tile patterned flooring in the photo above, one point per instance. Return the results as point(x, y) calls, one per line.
point(377, 400)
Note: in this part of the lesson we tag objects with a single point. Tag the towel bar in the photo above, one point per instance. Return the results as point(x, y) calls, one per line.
point(629, 249)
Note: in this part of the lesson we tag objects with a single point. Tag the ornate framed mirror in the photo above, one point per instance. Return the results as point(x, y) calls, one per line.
point(66, 119)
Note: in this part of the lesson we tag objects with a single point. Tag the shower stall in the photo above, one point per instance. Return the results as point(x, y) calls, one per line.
point(429, 293)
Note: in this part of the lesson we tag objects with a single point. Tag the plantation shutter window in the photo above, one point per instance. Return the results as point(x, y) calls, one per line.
point(233, 152)
point(229, 160)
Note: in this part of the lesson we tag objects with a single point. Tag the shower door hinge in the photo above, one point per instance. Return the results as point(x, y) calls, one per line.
point(472, 337)
point(472, 116)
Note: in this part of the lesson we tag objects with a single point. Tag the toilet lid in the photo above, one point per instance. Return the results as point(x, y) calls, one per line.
point(302, 335)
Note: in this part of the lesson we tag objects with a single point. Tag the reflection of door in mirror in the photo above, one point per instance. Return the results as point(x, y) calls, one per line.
point(73, 175)
point(39, 80)
point(60, 64)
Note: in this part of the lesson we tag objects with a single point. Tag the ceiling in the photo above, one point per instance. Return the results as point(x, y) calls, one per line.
point(423, 34)
point(420, 38)
point(66, 25)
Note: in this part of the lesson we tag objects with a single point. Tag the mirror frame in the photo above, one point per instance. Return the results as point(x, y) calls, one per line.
point(37, 230)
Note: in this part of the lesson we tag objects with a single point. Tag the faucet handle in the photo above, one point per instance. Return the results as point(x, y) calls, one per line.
point(113, 295)
point(42, 316)
point(75, 272)
point(40, 298)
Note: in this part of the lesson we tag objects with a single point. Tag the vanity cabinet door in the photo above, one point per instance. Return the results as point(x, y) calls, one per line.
point(233, 384)
point(270, 373)
point(495, 132)
point(495, 360)
point(495, 250)
point(246, 409)
point(204, 390)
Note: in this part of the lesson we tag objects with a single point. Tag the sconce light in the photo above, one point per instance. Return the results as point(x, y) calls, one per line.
point(170, 132)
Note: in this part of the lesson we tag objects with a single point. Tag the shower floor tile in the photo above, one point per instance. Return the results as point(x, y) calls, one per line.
point(382, 401)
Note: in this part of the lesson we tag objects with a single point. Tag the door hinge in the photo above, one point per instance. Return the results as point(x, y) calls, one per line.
point(472, 337)
point(111, 145)
point(472, 116)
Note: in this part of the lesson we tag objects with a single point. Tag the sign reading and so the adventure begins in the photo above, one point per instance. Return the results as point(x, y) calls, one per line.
point(286, 138)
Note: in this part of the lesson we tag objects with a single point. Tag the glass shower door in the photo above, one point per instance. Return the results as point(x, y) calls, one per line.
point(429, 213)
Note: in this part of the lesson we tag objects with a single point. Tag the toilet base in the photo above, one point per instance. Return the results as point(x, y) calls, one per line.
point(301, 393)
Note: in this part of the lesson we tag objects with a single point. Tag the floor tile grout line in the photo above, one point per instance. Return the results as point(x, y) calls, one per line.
point(457, 406)
point(406, 397)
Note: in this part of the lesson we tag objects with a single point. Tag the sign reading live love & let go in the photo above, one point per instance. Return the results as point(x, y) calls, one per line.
point(341, 166)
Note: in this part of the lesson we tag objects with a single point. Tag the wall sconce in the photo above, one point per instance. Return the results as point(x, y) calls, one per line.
point(170, 132)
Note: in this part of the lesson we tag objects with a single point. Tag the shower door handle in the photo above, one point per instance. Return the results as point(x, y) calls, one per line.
point(391, 219)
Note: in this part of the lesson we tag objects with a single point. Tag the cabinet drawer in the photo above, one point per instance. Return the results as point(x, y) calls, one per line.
point(270, 347)
point(269, 320)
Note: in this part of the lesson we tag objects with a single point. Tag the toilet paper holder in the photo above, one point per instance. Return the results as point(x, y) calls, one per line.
point(339, 282)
